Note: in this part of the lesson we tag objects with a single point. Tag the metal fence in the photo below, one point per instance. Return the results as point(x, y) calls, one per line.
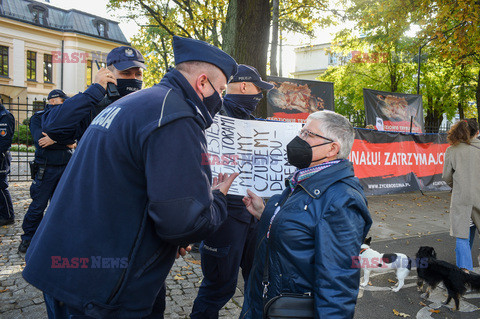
point(442, 126)
point(22, 145)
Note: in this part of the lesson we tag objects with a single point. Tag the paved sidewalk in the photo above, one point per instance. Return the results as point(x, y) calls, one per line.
point(18, 299)
point(395, 217)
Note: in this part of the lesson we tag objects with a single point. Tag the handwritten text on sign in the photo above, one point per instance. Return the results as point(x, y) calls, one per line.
point(255, 149)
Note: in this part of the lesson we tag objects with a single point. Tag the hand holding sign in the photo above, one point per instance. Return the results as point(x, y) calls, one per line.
point(223, 182)
point(254, 204)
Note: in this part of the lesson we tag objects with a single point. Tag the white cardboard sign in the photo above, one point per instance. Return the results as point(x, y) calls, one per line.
point(255, 149)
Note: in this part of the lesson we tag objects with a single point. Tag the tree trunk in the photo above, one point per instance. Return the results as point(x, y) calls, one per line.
point(246, 35)
point(434, 118)
point(461, 113)
point(273, 48)
point(477, 95)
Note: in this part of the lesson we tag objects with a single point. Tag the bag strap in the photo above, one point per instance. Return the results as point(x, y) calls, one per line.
point(265, 280)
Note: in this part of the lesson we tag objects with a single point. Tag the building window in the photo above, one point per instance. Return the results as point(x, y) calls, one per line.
point(102, 27)
point(31, 65)
point(47, 68)
point(3, 61)
point(89, 72)
point(90, 66)
point(39, 13)
point(38, 16)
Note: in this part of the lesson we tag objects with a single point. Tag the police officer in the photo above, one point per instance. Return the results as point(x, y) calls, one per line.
point(54, 150)
point(233, 244)
point(134, 192)
point(7, 128)
point(125, 67)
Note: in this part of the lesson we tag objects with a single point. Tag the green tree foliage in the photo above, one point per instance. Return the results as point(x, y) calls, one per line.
point(207, 21)
point(453, 27)
point(161, 19)
point(380, 27)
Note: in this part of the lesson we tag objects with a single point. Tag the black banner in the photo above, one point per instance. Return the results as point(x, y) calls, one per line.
point(393, 111)
point(292, 100)
point(388, 162)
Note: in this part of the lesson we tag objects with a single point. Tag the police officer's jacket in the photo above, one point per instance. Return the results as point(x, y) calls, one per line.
point(72, 118)
point(133, 191)
point(313, 240)
point(7, 128)
point(55, 154)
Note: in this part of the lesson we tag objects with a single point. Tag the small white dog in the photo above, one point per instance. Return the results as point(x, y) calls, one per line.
point(370, 260)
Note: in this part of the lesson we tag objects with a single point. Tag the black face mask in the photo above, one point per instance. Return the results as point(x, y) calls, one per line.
point(299, 153)
point(213, 102)
point(127, 86)
point(244, 103)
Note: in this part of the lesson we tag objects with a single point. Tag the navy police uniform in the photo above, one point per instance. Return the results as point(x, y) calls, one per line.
point(51, 161)
point(72, 118)
point(75, 117)
point(134, 190)
point(7, 128)
point(233, 245)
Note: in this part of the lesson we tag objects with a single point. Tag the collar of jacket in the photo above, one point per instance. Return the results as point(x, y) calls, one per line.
point(475, 141)
point(317, 184)
point(177, 82)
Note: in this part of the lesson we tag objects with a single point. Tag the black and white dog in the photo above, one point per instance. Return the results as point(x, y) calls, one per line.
point(371, 260)
point(433, 271)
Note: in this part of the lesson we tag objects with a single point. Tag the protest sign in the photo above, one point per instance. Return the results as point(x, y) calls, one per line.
point(255, 149)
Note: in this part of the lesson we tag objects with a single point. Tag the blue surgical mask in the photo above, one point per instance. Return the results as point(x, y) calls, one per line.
point(127, 86)
point(244, 103)
point(213, 102)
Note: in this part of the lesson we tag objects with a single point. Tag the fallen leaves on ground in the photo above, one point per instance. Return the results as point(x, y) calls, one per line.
point(390, 280)
point(193, 261)
point(178, 277)
point(400, 314)
point(434, 310)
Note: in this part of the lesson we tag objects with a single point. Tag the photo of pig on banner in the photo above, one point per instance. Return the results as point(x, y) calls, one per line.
point(396, 112)
point(292, 100)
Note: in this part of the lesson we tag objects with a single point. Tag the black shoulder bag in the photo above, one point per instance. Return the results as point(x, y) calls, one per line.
point(286, 305)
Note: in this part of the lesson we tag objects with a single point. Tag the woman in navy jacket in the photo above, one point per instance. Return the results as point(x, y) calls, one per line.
point(314, 229)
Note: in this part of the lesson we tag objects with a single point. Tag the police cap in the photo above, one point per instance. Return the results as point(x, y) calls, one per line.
point(125, 57)
point(57, 93)
point(247, 73)
point(186, 49)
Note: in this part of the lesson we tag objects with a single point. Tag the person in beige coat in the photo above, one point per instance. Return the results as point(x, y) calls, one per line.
point(461, 171)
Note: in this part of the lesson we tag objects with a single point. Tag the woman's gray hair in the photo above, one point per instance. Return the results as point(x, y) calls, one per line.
point(335, 127)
